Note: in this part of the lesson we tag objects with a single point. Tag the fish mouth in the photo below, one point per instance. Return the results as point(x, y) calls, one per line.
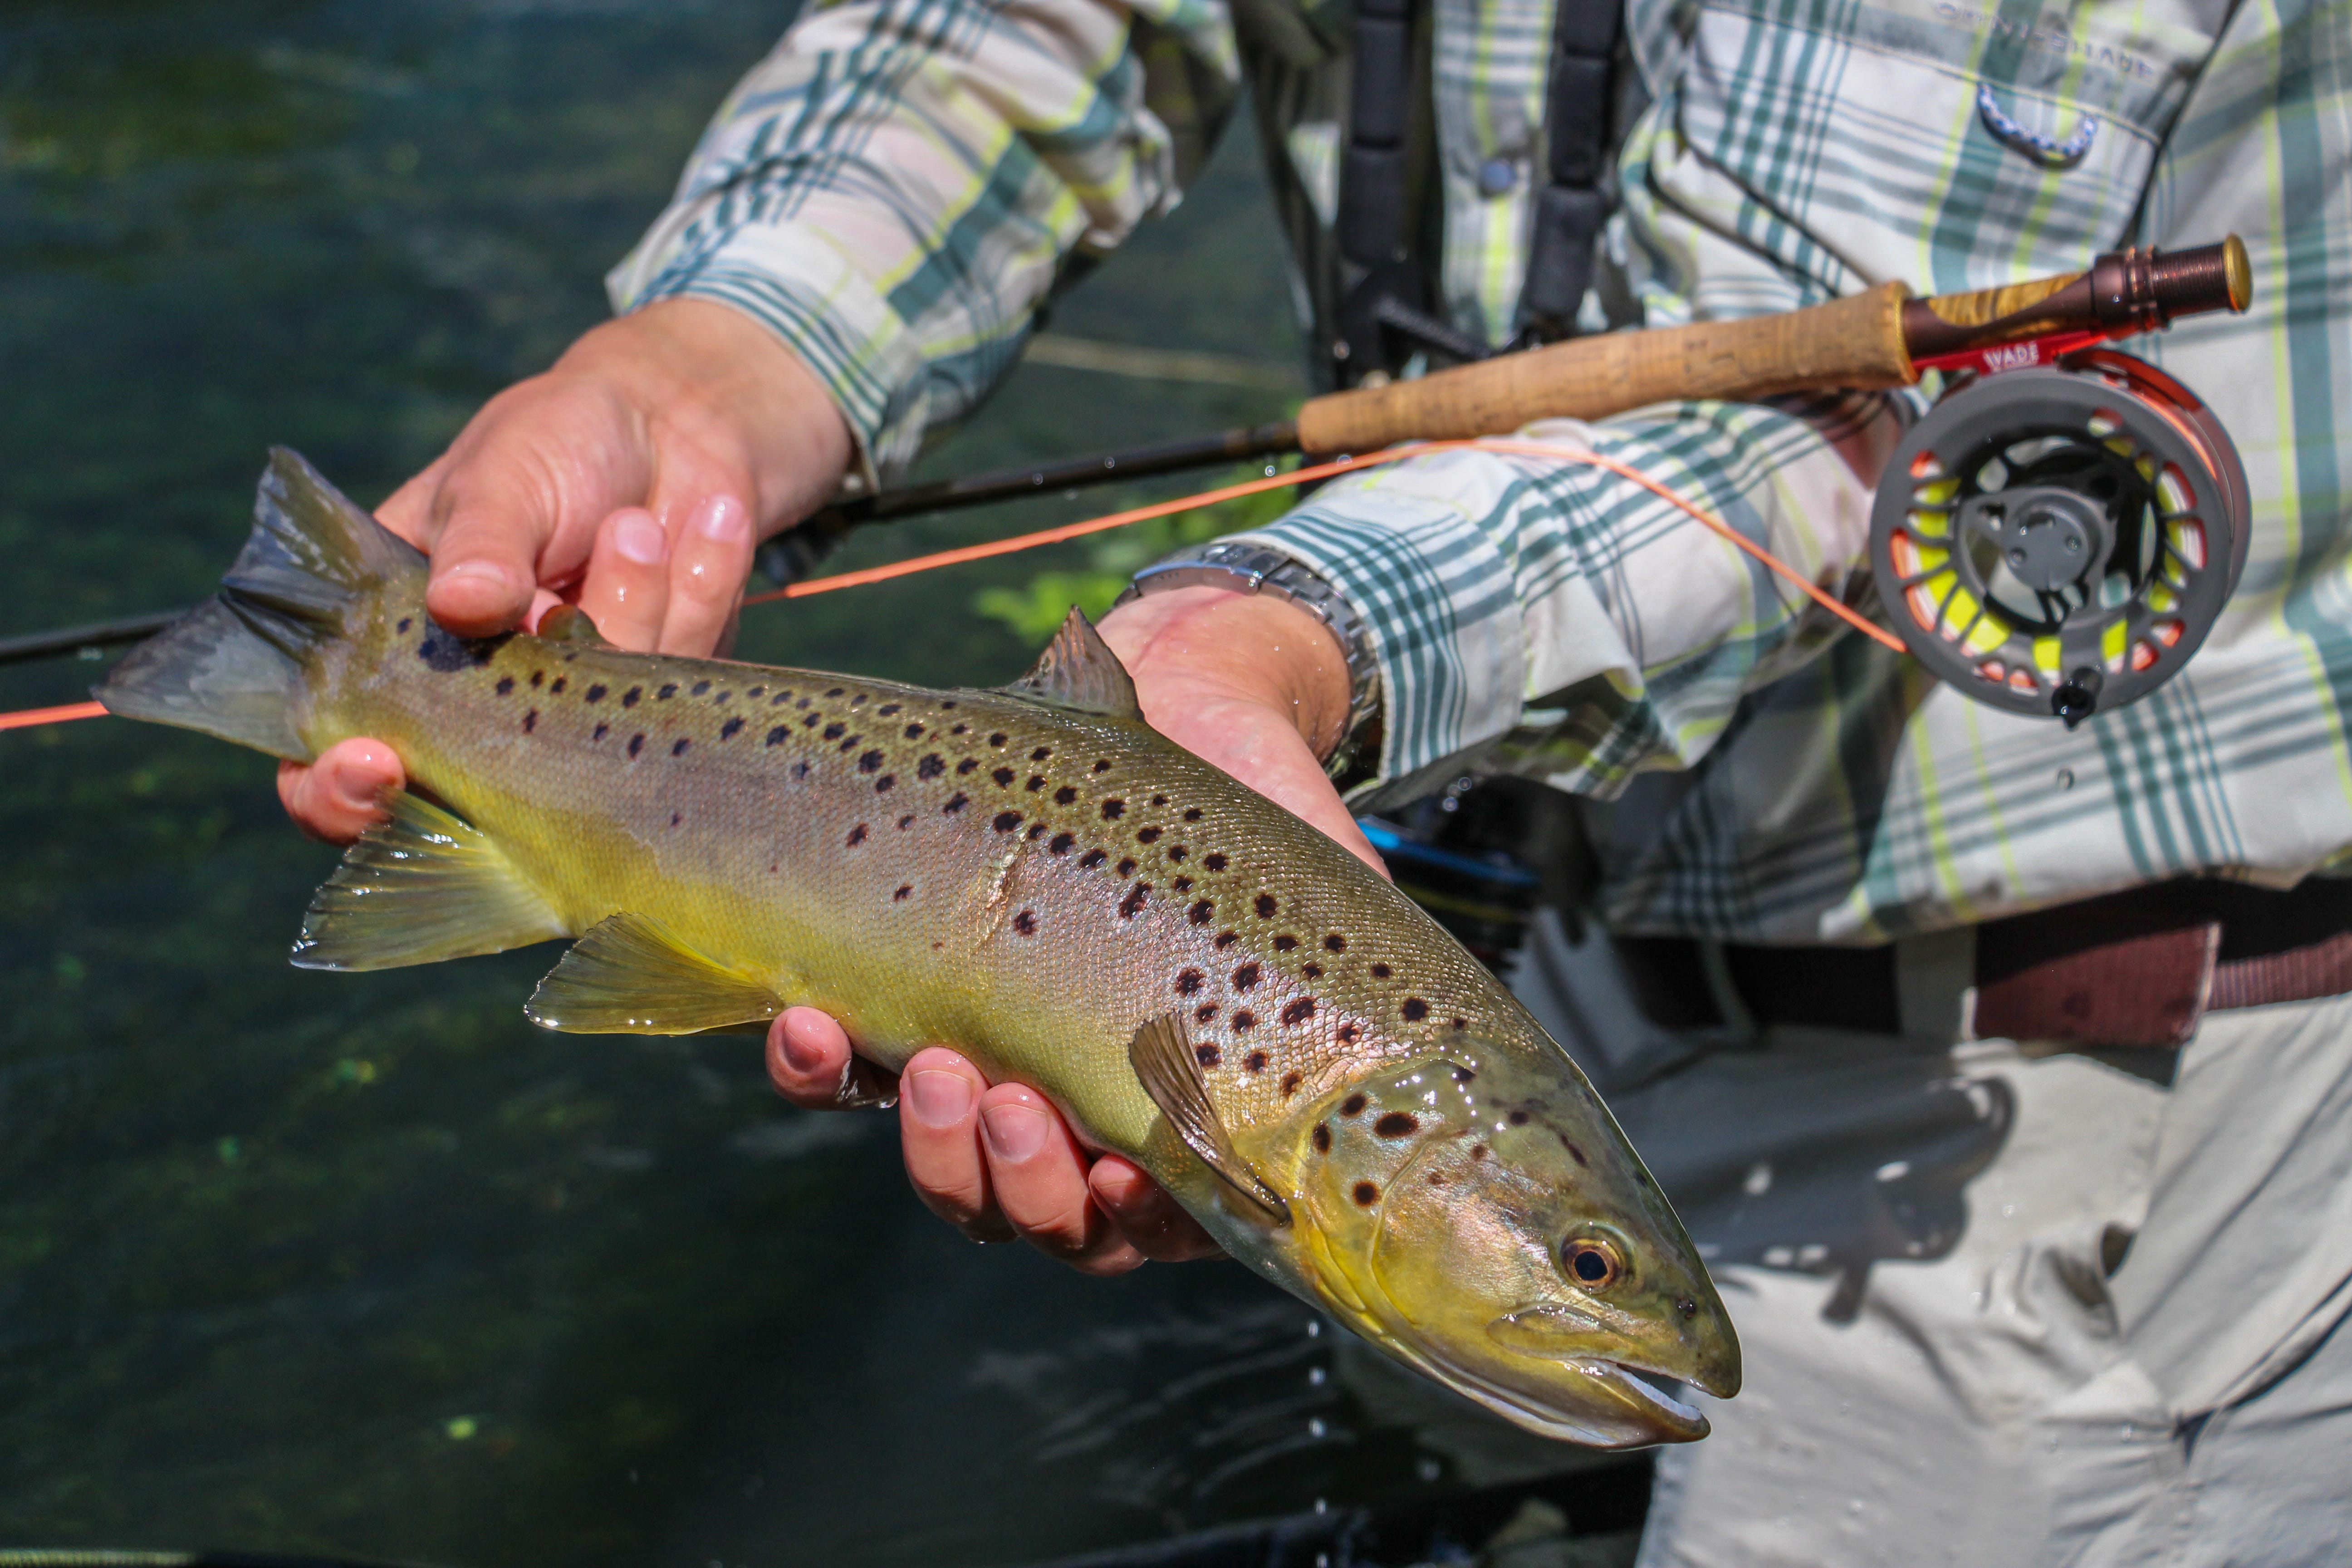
point(1634, 1412)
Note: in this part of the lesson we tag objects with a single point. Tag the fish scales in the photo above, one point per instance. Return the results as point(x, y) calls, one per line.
point(1200, 981)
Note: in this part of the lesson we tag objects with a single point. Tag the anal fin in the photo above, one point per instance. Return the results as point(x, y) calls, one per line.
point(427, 884)
point(1164, 1061)
point(629, 975)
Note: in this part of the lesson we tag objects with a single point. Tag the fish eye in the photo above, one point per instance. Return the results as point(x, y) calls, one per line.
point(1591, 1262)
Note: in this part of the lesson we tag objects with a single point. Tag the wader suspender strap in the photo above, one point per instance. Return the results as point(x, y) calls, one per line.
point(1579, 101)
point(1374, 191)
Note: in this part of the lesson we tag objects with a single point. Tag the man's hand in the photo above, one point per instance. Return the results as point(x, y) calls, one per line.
point(1259, 687)
point(633, 479)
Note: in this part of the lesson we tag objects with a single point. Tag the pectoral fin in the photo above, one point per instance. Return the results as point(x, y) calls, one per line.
point(1078, 670)
point(1162, 1058)
point(427, 884)
point(630, 976)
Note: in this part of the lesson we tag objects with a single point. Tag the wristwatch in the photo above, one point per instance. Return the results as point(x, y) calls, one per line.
point(1254, 569)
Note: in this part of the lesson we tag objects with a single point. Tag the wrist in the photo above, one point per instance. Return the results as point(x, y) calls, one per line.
point(715, 378)
point(1206, 643)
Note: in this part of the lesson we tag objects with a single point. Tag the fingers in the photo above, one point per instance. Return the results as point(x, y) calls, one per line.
point(340, 796)
point(938, 1126)
point(627, 593)
point(1154, 1223)
point(711, 559)
point(812, 1065)
point(1038, 1174)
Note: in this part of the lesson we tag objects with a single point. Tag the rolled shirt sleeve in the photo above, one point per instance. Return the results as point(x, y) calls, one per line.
point(898, 186)
point(1570, 624)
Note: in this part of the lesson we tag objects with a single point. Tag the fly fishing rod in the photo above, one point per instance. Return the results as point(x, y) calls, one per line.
point(2059, 533)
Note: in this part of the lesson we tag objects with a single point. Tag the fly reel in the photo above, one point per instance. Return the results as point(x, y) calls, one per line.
point(2059, 542)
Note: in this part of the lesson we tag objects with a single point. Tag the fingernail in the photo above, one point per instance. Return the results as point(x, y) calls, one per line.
point(939, 1099)
point(1015, 1131)
point(489, 573)
point(640, 539)
point(802, 1056)
point(723, 520)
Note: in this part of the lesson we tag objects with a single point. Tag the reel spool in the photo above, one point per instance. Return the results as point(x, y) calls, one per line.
point(2058, 543)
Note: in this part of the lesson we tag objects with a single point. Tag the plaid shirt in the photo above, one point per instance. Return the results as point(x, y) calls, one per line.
point(898, 187)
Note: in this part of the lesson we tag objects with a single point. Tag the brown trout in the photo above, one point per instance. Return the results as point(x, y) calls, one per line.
point(1199, 981)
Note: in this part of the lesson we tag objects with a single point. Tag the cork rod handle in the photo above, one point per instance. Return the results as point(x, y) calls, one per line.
point(1856, 342)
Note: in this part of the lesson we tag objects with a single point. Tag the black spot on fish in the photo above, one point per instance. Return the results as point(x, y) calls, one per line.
point(1092, 858)
point(1199, 913)
point(1036, 831)
point(530, 722)
point(856, 701)
point(904, 889)
point(997, 739)
point(1285, 942)
point(1225, 939)
point(679, 748)
point(869, 762)
point(857, 835)
point(538, 678)
point(1147, 835)
point(1041, 753)
point(1245, 976)
point(830, 691)
point(887, 709)
point(1062, 842)
point(906, 822)
point(1415, 1009)
point(810, 722)
point(1290, 1087)
point(1213, 861)
point(914, 732)
point(800, 770)
point(1312, 969)
point(722, 696)
point(1207, 1055)
point(1298, 1012)
point(1575, 1154)
point(670, 691)
point(850, 744)
point(1128, 905)
point(601, 730)
point(1113, 809)
point(1176, 852)
point(1335, 942)
point(834, 732)
point(1460, 1025)
point(1477, 1150)
point(506, 684)
point(1026, 923)
point(697, 688)
point(1397, 1124)
point(1102, 765)
point(1379, 971)
point(443, 652)
point(756, 691)
point(675, 817)
point(930, 767)
point(1518, 1119)
point(776, 736)
point(1245, 1019)
point(1463, 1075)
point(1127, 866)
point(1184, 884)
point(1160, 800)
point(1266, 906)
point(405, 622)
point(959, 729)
point(1191, 814)
point(726, 730)
point(1036, 781)
point(1353, 1105)
point(1365, 1194)
point(594, 693)
point(958, 804)
point(966, 766)
point(1322, 1134)
point(633, 696)
point(1205, 1011)
point(1003, 777)
point(1187, 981)
point(1641, 1176)
point(1255, 1061)
point(1346, 1034)
point(1064, 795)
point(1006, 821)
point(884, 785)
point(636, 744)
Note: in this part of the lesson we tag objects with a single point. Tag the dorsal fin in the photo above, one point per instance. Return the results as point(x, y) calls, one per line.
point(570, 623)
point(1078, 670)
point(1170, 1074)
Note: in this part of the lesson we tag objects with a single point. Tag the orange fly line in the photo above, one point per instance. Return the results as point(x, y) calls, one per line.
point(28, 718)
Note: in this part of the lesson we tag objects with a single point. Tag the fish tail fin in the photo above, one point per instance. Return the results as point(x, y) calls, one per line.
point(237, 667)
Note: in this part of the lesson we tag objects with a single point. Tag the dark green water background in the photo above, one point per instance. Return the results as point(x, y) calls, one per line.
point(294, 1261)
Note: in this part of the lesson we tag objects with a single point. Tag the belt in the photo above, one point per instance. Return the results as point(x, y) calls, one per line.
point(2135, 968)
